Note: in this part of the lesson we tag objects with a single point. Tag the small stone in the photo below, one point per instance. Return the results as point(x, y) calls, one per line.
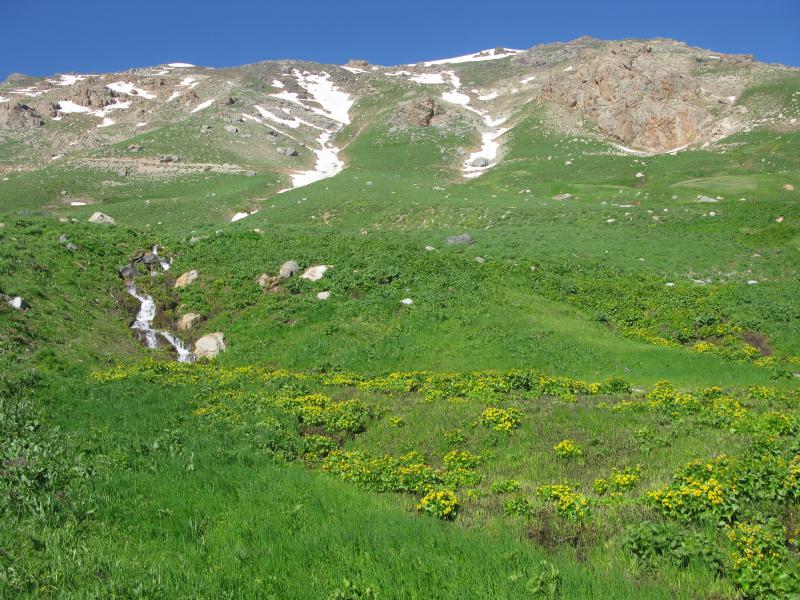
point(407, 301)
point(188, 321)
point(480, 260)
point(19, 303)
point(562, 197)
point(186, 279)
point(464, 238)
point(99, 218)
point(430, 248)
point(289, 268)
point(323, 295)
point(231, 129)
point(314, 273)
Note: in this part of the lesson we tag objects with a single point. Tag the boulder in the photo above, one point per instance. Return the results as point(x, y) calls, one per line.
point(127, 272)
point(231, 129)
point(464, 238)
point(186, 278)
point(289, 268)
point(407, 301)
point(323, 295)
point(480, 162)
point(188, 321)
point(209, 346)
point(287, 151)
point(314, 273)
point(788, 187)
point(99, 218)
point(205, 129)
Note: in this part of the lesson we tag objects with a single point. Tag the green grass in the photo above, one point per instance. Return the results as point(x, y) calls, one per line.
point(138, 496)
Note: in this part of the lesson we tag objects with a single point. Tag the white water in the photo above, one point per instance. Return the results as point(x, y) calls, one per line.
point(147, 312)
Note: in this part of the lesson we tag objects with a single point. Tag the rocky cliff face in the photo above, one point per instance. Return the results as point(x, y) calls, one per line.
point(638, 97)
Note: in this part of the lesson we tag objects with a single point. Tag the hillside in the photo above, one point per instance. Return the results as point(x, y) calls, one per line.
point(431, 328)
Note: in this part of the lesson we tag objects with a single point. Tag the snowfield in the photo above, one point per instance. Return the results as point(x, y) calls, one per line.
point(492, 54)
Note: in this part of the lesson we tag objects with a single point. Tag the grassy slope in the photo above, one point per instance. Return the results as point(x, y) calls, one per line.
point(566, 317)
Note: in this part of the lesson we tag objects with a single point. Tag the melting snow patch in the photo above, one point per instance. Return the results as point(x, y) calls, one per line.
point(31, 92)
point(490, 96)
point(122, 87)
point(106, 122)
point(354, 70)
point(428, 78)
point(492, 54)
point(64, 80)
point(3, 99)
point(407, 301)
point(241, 215)
point(141, 124)
point(568, 69)
point(202, 105)
point(180, 65)
point(277, 84)
point(528, 79)
point(173, 96)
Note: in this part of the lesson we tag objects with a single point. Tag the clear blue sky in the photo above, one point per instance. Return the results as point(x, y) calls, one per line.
point(49, 37)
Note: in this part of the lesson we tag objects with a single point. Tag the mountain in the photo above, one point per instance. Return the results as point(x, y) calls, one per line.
point(520, 323)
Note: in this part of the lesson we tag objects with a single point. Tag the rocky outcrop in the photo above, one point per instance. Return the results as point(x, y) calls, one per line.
point(19, 117)
point(634, 96)
point(419, 112)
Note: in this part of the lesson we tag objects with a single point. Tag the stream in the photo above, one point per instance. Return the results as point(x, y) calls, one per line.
point(147, 312)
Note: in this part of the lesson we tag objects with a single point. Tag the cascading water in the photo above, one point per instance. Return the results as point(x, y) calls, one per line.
point(147, 312)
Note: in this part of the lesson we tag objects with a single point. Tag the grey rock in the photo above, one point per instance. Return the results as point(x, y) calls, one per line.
point(209, 346)
point(231, 129)
point(186, 279)
point(480, 260)
point(289, 268)
point(287, 151)
point(188, 321)
point(562, 197)
point(100, 218)
point(480, 162)
point(464, 238)
point(127, 272)
point(205, 129)
point(134, 147)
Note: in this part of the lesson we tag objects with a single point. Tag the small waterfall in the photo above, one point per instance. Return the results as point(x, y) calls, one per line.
point(147, 312)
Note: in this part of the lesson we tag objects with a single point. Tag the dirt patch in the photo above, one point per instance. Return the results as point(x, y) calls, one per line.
point(758, 340)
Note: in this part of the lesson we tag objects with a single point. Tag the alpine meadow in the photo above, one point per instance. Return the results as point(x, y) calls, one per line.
point(515, 324)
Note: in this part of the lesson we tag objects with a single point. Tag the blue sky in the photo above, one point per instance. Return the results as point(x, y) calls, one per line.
point(52, 37)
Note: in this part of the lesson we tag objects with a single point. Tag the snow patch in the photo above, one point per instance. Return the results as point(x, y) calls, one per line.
point(490, 146)
point(492, 54)
point(202, 105)
point(180, 65)
point(106, 122)
point(428, 78)
point(527, 79)
point(490, 96)
point(122, 87)
point(277, 84)
point(3, 99)
point(64, 80)
point(354, 70)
